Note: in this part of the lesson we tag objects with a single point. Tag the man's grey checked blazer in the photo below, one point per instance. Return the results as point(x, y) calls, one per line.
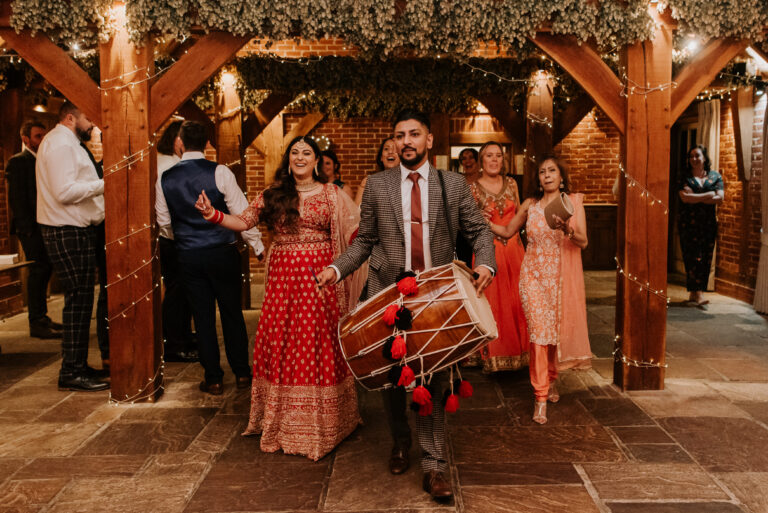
point(381, 237)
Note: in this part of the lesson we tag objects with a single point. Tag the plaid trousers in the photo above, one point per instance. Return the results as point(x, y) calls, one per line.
point(72, 251)
point(430, 430)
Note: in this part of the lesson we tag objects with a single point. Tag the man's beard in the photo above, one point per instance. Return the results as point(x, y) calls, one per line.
point(83, 135)
point(415, 160)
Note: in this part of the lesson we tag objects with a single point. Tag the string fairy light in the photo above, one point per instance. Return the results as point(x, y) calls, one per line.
point(134, 273)
point(143, 393)
point(133, 304)
point(538, 119)
point(632, 183)
point(120, 240)
point(644, 285)
point(618, 354)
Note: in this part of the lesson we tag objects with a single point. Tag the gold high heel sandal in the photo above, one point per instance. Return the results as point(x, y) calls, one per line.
point(553, 395)
point(540, 412)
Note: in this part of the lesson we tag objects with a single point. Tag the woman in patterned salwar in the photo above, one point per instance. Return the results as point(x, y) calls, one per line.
point(700, 191)
point(552, 284)
point(497, 197)
point(303, 397)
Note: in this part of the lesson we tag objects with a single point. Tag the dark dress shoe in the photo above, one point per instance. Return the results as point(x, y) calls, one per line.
point(182, 356)
point(82, 383)
point(40, 330)
point(211, 388)
point(244, 382)
point(399, 461)
point(436, 485)
point(52, 324)
point(97, 373)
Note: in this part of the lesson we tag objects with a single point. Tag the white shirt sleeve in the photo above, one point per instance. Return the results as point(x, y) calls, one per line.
point(64, 184)
point(236, 203)
point(162, 212)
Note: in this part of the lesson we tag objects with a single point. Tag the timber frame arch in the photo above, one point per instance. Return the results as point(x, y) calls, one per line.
point(130, 115)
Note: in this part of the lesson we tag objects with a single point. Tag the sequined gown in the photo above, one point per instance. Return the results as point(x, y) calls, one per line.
point(303, 397)
point(510, 350)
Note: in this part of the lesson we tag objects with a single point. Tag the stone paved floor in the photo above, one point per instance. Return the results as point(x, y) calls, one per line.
point(698, 446)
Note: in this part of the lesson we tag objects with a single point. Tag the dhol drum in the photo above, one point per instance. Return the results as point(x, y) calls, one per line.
point(449, 323)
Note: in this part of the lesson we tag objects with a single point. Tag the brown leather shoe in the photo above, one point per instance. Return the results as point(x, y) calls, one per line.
point(243, 382)
point(211, 388)
point(399, 460)
point(437, 485)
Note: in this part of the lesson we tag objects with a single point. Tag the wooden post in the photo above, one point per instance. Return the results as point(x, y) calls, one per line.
point(272, 147)
point(641, 306)
point(538, 133)
point(441, 147)
point(230, 153)
point(133, 273)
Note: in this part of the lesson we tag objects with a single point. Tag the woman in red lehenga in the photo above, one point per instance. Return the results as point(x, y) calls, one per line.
point(303, 397)
point(498, 198)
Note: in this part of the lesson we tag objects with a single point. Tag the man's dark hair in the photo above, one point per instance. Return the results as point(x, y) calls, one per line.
point(473, 151)
point(165, 145)
point(193, 135)
point(407, 114)
point(28, 125)
point(68, 108)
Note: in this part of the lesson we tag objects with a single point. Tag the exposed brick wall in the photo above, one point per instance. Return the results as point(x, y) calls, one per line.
point(736, 275)
point(592, 150)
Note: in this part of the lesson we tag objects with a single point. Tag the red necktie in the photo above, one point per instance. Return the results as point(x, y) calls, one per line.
point(417, 230)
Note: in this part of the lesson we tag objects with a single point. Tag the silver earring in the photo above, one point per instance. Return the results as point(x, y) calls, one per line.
point(562, 186)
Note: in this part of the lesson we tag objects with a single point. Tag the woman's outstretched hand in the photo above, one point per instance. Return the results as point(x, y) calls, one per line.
point(203, 205)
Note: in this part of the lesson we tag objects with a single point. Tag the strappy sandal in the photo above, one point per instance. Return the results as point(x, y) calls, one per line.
point(553, 395)
point(540, 412)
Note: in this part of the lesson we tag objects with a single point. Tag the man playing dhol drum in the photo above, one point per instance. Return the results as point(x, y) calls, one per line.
point(405, 224)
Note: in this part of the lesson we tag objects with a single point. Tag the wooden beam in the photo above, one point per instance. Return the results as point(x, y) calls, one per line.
point(641, 307)
point(198, 64)
point(570, 117)
point(270, 144)
point(441, 145)
point(304, 126)
point(702, 70)
point(58, 68)
point(539, 108)
point(190, 111)
point(133, 272)
point(258, 120)
point(588, 69)
point(475, 138)
point(512, 122)
point(743, 115)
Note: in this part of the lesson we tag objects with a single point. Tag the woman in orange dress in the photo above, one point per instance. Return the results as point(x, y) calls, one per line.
point(552, 284)
point(303, 397)
point(498, 198)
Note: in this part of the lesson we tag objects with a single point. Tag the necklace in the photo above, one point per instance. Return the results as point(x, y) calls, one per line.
point(306, 187)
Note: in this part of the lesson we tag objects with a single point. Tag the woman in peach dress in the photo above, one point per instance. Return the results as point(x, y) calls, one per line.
point(552, 284)
point(498, 198)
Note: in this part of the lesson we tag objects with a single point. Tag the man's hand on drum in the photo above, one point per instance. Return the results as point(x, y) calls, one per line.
point(326, 277)
point(484, 278)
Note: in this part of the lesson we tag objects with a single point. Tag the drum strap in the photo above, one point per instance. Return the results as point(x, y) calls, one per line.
point(445, 209)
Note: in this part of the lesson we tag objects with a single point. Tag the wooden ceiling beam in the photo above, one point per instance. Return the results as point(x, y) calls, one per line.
point(588, 69)
point(191, 112)
point(513, 123)
point(702, 70)
point(258, 120)
point(570, 117)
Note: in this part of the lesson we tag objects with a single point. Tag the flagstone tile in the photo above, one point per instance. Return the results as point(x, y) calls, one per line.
point(43, 439)
point(22, 493)
point(688, 368)
point(566, 412)
point(15, 367)
point(517, 474)
point(256, 487)
point(484, 395)
point(722, 444)
point(543, 444)
point(631, 481)
point(642, 435)
point(83, 466)
point(36, 397)
point(481, 417)
point(659, 453)
point(9, 466)
point(181, 464)
point(673, 507)
point(216, 435)
point(741, 391)
point(527, 499)
point(75, 408)
point(166, 494)
point(616, 412)
point(757, 410)
point(751, 488)
point(360, 480)
point(685, 398)
point(751, 370)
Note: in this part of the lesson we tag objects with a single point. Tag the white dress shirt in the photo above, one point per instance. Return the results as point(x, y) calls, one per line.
point(164, 163)
point(69, 191)
point(406, 187)
point(233, 196)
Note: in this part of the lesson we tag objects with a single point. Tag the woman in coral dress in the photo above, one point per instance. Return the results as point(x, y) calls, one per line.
point(552, 284)
point(498, 198)
point(303, 397)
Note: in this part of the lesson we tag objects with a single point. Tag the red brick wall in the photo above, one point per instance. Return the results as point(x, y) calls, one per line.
point(735, 276)
point(592, 150)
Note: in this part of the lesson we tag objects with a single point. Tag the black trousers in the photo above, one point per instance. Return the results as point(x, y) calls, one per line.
point(177, 314)
point(212, 276)
point(39, 274)
point(71, 250)
point(102, 312)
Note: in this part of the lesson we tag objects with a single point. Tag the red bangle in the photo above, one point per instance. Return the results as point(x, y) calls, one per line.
point(216, 218)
